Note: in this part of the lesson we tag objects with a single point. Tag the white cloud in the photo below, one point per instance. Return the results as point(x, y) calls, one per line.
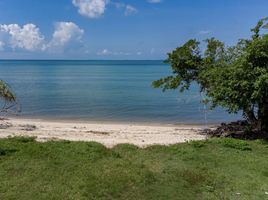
point(204, 32)
point(90, 8)
point(154, 1)
point(130, 10)
point(65, 32)
point(2, 44)
point(120, 53)
point(96, 8)
point(118, 5)
point(106, 52)
point(27, 37)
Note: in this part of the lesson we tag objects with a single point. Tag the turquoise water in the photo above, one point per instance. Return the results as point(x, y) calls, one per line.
point(103, 91)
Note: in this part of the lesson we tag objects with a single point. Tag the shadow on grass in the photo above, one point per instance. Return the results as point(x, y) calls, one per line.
point(6, 152)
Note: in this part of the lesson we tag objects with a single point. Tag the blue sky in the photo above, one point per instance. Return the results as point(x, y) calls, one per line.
point(119, 29)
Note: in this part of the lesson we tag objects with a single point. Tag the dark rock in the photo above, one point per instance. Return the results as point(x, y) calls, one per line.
point(239, 129)
point(5, 125)
point(28, 127)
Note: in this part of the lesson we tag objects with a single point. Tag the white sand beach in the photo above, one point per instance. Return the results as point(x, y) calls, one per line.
point(108, 134)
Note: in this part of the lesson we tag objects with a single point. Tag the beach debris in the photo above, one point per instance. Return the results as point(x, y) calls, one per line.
point(28, 127)
point(47, 139)
point(266, 193)
point(5, 125)
point(99, 132)
point(3, 118)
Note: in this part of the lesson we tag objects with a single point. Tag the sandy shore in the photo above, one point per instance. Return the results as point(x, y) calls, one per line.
point(104, 133)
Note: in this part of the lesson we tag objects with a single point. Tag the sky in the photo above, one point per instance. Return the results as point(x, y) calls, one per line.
point(119, 29)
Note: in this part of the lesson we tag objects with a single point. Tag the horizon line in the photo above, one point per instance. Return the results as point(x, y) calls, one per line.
point(82, 59)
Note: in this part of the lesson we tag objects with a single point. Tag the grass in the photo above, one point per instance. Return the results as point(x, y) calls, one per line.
point(212, 169)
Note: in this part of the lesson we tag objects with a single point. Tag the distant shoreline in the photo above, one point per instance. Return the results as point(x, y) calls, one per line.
point(109, 134)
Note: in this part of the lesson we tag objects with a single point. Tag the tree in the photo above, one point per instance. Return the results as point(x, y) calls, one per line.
point(235, 77)
point(7, 97)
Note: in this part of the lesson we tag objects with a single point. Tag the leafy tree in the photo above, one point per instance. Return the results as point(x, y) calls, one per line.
point(233, 77)
point(7, 97)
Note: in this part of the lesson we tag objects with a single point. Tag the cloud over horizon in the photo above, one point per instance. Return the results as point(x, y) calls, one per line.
point(28, 37)
point(106, 52)
point(65, 32)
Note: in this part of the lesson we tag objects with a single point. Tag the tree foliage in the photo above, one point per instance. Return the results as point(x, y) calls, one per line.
point(7, 97)
point(233, 77)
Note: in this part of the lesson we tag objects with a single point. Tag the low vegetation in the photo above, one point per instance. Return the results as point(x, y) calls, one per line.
point(214, 169)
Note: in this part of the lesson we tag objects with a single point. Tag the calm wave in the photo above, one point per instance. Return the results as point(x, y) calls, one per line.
point(103, 91)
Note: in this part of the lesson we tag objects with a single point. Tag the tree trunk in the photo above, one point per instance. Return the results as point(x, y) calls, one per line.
point(263, 118)
point(250, 116)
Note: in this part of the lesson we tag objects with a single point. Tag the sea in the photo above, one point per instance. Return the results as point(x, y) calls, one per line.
point(104, 91)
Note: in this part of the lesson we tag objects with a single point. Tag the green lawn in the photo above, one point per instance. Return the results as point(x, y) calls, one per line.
point(212, 169)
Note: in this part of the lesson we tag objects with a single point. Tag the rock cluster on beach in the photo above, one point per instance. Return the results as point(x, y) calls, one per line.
point(238, 129)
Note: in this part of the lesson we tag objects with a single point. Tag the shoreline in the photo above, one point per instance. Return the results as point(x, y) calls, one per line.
point(106, 133)
point(90, 121)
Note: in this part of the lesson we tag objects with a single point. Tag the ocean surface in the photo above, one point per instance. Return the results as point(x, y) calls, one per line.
point(116, 91)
